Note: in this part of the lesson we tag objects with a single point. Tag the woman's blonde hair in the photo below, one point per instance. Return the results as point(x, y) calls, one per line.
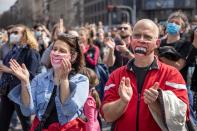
point(28, 37)
point(4, 36)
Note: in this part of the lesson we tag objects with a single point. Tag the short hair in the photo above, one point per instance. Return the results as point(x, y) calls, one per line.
point(37, 25)
point(148, 21)
point(180, 14)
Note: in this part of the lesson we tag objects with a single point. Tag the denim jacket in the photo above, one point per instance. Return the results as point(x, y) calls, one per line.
point(40, 92)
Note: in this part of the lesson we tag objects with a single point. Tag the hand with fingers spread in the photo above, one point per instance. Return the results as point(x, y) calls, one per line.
point(20, 72)
point(125, 90)
point(151, 94)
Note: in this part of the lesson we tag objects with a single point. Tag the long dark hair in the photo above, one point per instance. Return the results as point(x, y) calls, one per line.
point(73, 42)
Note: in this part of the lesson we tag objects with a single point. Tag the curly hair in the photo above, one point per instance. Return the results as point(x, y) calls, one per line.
point(28, 37)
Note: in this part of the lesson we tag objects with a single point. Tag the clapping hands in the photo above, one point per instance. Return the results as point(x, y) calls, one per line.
point(125, 90)
point(20, 71)
point(151, 94)
point(109, 42)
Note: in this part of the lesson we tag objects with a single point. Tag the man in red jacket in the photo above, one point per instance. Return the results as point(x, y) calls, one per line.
point(145, 94)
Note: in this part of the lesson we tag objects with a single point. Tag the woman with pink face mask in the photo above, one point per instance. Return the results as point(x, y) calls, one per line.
point(62, 86)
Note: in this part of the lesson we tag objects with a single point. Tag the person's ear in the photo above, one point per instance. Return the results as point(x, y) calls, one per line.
point(73, 57)
point(158, 42)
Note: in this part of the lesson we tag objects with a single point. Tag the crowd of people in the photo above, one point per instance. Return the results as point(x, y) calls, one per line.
point(136, 77)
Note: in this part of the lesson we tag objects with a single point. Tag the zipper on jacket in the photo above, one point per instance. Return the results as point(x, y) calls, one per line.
point(137, 116)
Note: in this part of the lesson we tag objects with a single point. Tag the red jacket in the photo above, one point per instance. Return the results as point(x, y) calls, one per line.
point(137, 113)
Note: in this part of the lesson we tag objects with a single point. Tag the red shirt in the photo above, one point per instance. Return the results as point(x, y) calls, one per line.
point(161, 73)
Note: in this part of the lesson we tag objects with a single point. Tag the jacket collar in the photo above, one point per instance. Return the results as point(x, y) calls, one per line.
point(153, 66)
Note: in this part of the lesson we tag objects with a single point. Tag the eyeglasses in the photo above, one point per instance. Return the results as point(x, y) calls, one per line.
point(145, 37)
point(125, 28)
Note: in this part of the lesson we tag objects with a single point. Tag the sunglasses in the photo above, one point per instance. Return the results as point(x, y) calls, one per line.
point(125, 28)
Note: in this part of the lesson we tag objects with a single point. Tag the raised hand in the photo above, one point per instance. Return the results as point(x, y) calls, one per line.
point(109, 42)
point(125, 90)
point(65, 68)
point(122, 47)
point(20, 72)
point(82, 48)
point(151, 94)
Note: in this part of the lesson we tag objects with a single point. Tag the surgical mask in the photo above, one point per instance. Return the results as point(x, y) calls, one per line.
point(1, 42)
point(38, 34)
point(57, 58)
point(173, 28)
point(14, 38)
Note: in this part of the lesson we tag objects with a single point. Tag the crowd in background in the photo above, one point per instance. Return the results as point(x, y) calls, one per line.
point(103, 51)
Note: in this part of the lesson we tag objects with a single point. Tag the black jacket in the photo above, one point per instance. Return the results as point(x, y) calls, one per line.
point(26, 55)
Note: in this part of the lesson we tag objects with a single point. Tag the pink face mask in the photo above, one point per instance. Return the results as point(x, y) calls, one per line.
point(56, 58)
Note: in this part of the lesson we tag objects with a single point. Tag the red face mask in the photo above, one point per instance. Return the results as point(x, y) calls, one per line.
point(56, 58)
point(143, 48)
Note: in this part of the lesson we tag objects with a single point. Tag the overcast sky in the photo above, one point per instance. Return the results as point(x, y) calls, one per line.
point(5, 4)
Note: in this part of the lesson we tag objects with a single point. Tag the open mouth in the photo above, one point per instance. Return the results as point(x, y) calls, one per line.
point(140, 50)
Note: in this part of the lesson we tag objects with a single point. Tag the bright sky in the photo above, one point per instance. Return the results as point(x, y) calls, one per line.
point(5, 5)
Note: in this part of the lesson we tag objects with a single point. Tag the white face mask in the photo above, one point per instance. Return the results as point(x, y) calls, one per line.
point(14, 38)
point(1, 41)
point(56, 59)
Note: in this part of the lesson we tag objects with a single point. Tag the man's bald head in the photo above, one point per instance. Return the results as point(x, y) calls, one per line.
point(147, 23)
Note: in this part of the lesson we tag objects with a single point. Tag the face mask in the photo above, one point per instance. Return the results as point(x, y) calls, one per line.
point(1, 42)
point(38, 34)
point(143, 48)
point(173, 28)
point(56, 59)
point(14, 38)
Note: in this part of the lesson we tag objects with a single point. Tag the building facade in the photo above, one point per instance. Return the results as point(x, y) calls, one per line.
point(158, 10)
point(65, 9)
point(80, 12)
point(97, 10)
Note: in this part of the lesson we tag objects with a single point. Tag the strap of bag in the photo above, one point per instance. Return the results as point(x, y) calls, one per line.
point(47, 113)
